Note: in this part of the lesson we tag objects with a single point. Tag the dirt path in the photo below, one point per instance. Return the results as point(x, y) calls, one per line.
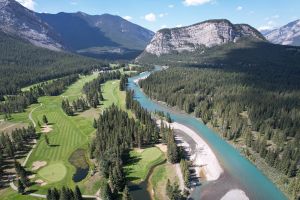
point(30, 115)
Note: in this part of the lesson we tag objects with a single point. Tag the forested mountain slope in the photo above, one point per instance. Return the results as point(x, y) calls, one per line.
point(102, 36)
point(248, 89)
point(23, 64)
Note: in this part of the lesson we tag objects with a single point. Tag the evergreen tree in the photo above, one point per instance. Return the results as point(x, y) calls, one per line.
point(21, 187)
point(45, 120)
point(77, 194)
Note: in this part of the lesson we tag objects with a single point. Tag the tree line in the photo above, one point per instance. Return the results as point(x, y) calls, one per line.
point(12, 145)
point(258, 105)
point(18, 103)
point(22, 64)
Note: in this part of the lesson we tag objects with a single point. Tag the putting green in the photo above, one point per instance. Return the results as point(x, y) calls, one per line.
point(53, 173)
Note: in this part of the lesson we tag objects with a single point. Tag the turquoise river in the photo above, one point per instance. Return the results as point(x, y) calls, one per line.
point(250, 179)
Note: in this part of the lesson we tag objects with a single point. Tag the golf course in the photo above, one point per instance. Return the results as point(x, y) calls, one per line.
point(49, 163)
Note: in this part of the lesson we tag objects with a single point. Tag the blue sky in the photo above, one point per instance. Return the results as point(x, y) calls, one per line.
point(157, 14)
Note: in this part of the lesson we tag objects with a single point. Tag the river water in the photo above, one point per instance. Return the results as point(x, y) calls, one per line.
point(239, 172)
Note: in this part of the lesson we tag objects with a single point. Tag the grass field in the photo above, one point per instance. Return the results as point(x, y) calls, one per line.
point(141, 161)
point(10, 194)
point(159, 178)
point(68, 135)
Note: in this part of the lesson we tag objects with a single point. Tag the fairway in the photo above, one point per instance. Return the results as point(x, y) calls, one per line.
point(69, 134)
point(53, 173)
point(141, 161)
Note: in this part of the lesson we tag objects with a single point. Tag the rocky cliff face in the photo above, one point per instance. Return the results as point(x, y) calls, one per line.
point(19, 21)
point(205, 34)
point(286, 35)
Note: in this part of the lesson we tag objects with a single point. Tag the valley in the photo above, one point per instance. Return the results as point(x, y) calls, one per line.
point(200, 102)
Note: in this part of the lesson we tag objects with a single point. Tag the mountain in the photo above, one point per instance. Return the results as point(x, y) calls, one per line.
point(216, 43)
point(22, 64)
point(285, 35)
point(206, 34)
point(99, 36)
point(19, 21)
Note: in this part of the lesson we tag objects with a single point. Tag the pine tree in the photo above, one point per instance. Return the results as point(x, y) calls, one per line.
point(95, 123)
point(77, 193)
point(45, 120)
point(21, 187)
point(106, 192)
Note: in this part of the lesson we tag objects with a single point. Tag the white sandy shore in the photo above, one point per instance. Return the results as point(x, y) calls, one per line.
point(203, 157)
point(235, 194)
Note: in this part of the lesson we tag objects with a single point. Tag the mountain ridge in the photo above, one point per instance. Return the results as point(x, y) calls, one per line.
point(102, 36)
point(288, 34)
point(205, 34)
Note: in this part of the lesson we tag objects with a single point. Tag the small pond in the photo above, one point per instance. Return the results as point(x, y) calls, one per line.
point(78, 160)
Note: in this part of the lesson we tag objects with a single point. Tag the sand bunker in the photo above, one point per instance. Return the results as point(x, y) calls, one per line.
point(38, 164)
point(235, 194)
point(31, 176)
point(46, 128)
point(41, 182)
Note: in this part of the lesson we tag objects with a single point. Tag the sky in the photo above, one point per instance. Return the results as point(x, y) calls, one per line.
point(157, 14)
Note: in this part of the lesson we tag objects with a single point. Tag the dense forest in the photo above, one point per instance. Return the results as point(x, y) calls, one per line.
point(23, 64)
point(259, 105)
point(11, 146)
point(116, 134)
point(18, 103)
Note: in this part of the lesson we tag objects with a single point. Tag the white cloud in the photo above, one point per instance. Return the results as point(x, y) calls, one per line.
point(128, 18)
point(163, 26)
point(178, 25)
point(161, 15)
point(239, 8)
point(74, 3)
point(171, 6)
point(269, 26)
point(151, 17)
point(195, 2)
point(27, 3)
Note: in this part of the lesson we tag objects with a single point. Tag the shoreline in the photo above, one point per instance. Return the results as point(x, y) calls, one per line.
point(203, 157)
point(205, 165)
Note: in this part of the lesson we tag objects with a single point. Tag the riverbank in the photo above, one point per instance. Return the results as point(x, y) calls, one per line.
point(204, 160)
point(206, 167)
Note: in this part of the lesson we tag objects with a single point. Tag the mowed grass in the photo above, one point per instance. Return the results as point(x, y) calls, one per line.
point(113, 95)
point(53, 173)
point(140, 163)
point(69, 133)
point(10, 194)
point(158, 180)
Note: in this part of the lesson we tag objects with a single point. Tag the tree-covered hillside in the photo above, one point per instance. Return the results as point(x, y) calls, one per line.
point(22, 64)
point(245, 51)
point(256, 106)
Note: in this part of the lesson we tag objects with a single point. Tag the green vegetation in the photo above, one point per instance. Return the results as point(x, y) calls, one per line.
point(78, 159)
point(23, 64)
point(53, 173)
point(245, 52)
point(255, 107)
point(9, 194)
point(140, 163)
